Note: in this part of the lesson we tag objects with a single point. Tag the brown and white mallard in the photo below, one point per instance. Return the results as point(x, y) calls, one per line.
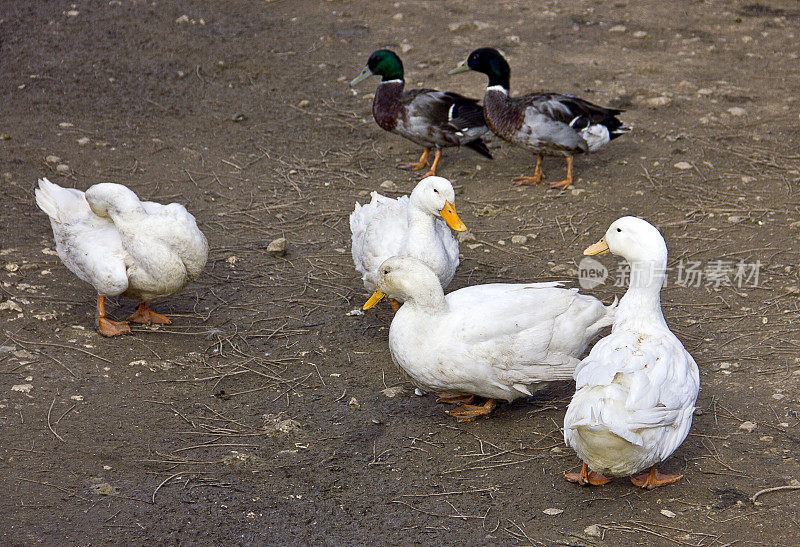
point(550, 124)
point(429, 118)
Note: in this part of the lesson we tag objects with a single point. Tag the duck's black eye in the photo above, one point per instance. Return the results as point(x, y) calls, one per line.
point(385, 272)
point(619, 229)
point(435, 190)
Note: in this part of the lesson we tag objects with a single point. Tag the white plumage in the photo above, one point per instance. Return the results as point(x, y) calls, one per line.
point(637, 388)
point(120, 245)
point(500, 341)
point(408, 226)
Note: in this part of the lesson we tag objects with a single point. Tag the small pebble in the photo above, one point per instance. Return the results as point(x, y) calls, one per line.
point(618, 28)
point(62, 168)
point(552, 511)
point(656, 102)
point(683, 165)
point(519, 240)
point(84, 141)
point(277, 247)
point(389, 185)
point(737, 111)
point(667, 513)
point(748, 426)
point(304, 103)
point(593, 531)
point(65, 125)
point(52, 159)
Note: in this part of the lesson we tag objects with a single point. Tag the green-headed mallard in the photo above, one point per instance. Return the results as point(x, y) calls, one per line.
point(429, 118)
point(637, 388)
point(124, 247)
point(499, 341)
point(548, 123)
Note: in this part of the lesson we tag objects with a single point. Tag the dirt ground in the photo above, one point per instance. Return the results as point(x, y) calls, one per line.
point(260, 415)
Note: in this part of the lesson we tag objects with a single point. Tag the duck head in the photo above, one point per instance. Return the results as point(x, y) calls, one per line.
point(106, 199)
point(407, 280)
point(384, 63)
point(489, 61)
point(435, 195)
point(634, 239)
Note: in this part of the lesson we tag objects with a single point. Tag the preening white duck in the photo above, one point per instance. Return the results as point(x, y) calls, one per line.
point(637, 388)
point(124, 247)
point(499, 341)
point(415, 226)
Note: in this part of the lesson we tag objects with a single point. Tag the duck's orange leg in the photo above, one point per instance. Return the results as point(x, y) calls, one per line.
point(107, 327)
point(567, 181)
point(146, 316)
point(432, 172)
point(423, 162)
point(537, 177)
point(587, 477)
point(653, 479)
point(467, 413)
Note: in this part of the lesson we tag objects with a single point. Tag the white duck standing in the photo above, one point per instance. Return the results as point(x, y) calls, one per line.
point(415, 226)
point(123, 246)
point(499, 341)
point(637, 388)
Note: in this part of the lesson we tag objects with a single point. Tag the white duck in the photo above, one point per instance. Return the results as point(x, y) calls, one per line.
point(123, 246)
point(499, 341)
point(408, 226)
point(637, 388)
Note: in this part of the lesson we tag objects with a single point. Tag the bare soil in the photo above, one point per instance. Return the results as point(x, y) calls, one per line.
point(259, 415)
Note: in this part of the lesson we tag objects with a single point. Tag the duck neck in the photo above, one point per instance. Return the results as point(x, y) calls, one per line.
point(428, 297)
point(421, 228)
point(642, 301)
point(387, 104)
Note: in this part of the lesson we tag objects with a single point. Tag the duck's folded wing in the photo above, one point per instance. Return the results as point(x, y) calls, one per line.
point(92, 249)
point(566, 108)
point(511, 326)
point(378, 229)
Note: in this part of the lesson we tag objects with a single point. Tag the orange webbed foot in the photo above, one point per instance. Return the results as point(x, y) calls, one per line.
point(146, 316)
point(468, 413)
point(587, 477)
point(107, 327)
point(527, 181)
point(654, 479)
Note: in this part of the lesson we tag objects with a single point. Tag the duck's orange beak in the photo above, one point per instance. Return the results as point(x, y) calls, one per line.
point(450, 216)
point(376, 297)
point(601, 247)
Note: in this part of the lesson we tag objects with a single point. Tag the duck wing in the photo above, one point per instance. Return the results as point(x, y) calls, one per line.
point(89, 246)
point(378, 229)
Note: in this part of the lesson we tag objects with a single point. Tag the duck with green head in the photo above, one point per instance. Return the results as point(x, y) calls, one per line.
point(432, 119)
point(550, 124)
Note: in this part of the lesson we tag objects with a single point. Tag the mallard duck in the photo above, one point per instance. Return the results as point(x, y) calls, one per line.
point(550, 124)
point(123, 246)
point(415, 226)
point(429, 118)
point(636, 390)
point(498, 341)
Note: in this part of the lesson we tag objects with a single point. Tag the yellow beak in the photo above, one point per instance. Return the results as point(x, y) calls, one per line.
point(376, 297)
point(450, 216)
point(601, 247)
point(463, 67)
